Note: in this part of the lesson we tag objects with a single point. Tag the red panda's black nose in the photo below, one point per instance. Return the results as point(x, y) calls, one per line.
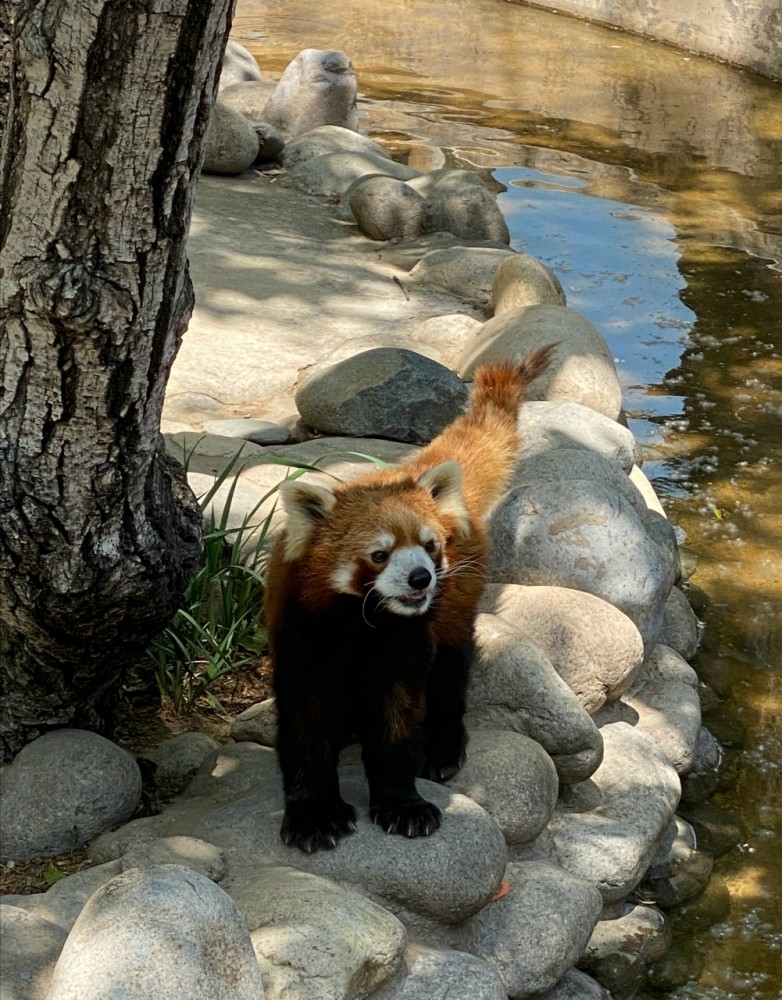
point(420, 578)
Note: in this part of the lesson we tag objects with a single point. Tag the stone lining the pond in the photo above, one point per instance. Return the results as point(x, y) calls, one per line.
point(583, 713)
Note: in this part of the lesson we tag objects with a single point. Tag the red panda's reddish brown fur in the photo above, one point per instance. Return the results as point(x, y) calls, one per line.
point(407, 649)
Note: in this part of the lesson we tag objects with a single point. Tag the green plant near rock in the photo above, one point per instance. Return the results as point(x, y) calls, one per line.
point(219, 627)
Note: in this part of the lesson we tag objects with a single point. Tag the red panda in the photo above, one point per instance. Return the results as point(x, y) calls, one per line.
point(372, 589)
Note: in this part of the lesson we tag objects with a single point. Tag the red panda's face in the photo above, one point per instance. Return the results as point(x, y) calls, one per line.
point(400, 566)
point(384, 541)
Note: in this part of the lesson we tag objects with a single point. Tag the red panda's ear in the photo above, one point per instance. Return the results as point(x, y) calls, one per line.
point(444, 482)
point(306, 505)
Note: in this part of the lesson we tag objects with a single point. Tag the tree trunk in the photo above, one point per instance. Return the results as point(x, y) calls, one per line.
point(99, 533)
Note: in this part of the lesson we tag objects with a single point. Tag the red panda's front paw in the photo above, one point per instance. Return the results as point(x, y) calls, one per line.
point(317, 824)
point(410, 819)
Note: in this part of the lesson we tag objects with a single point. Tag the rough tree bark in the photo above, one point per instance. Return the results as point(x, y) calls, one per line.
point(99, 533)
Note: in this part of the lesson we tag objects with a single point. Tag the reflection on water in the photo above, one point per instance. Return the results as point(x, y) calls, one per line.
point(649, 180)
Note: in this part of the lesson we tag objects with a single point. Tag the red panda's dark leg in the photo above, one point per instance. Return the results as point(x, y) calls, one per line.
point(444, 732)
point(316, 816)
point(394, 802)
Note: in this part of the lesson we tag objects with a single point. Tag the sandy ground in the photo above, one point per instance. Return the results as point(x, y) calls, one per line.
point(283, 286)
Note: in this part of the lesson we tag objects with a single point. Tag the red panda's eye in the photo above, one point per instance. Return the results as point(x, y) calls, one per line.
point(379, 557)
point(431, 545)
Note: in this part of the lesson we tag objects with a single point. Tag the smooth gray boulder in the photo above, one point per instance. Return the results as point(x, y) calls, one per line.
point(189, 852)
point(513, 779)
point(546, 425)
point(238, 64)
point(621, 947)
point(582, 535)
point(30, 946)
point(163, 932)
point(680, 628)
point(704, 775)
point(668, 712)
point(514, 686)
point(181, 755)
point(582, 370)
point(329, 176)
point(257, 724)
point(63, 789)
point(459, 202)
point(448, 876)
point(434, 974)
point(575, 985)
point(607, 829)
point(537, 931)
point(560, 465)
point(593, 646)
point(664, 664)
point(678, 871)
point(314, 939)
point(454, 201)
point(521, 281)
point(465, 272)
point(318, 87)
point(248, 98)
point(386, 392)
point(63, 902)
point(327, 139)
point(231, 142)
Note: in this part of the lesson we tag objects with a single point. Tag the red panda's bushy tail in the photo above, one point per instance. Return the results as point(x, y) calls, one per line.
point(503, 384)
point(485, 439)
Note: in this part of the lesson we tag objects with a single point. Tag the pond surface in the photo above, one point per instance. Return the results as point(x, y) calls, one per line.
point(649, 180)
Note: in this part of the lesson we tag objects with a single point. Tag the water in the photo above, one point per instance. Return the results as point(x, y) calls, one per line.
point(649, 181)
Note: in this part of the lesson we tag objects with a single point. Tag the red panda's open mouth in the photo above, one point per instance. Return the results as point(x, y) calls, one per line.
point(413, 599)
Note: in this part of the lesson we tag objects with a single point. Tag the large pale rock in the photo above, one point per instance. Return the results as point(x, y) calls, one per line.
point(189, 852)
point(161, 932)
point(238, 64)
point(668, 712)
point(386, 208)
point(449, 875)
point(454, 201)
point(231, 143)
point(459, 202)
point(465, 272)
point(317, 88)
point(620, 948)
point(585, 536)
point(563, 464)
point(522, 281)
point(535, 933)
point(248, 98)
point(30, 946)
point(514, 686)
point(330, 175)
point(594, 647)
point(513, 779)
point(63, 789)
point(433, 974)
point(316, 940)
point(582, 369)
point(607, 829)
point(327, 139)
point(384, 392)
point(546, 425)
